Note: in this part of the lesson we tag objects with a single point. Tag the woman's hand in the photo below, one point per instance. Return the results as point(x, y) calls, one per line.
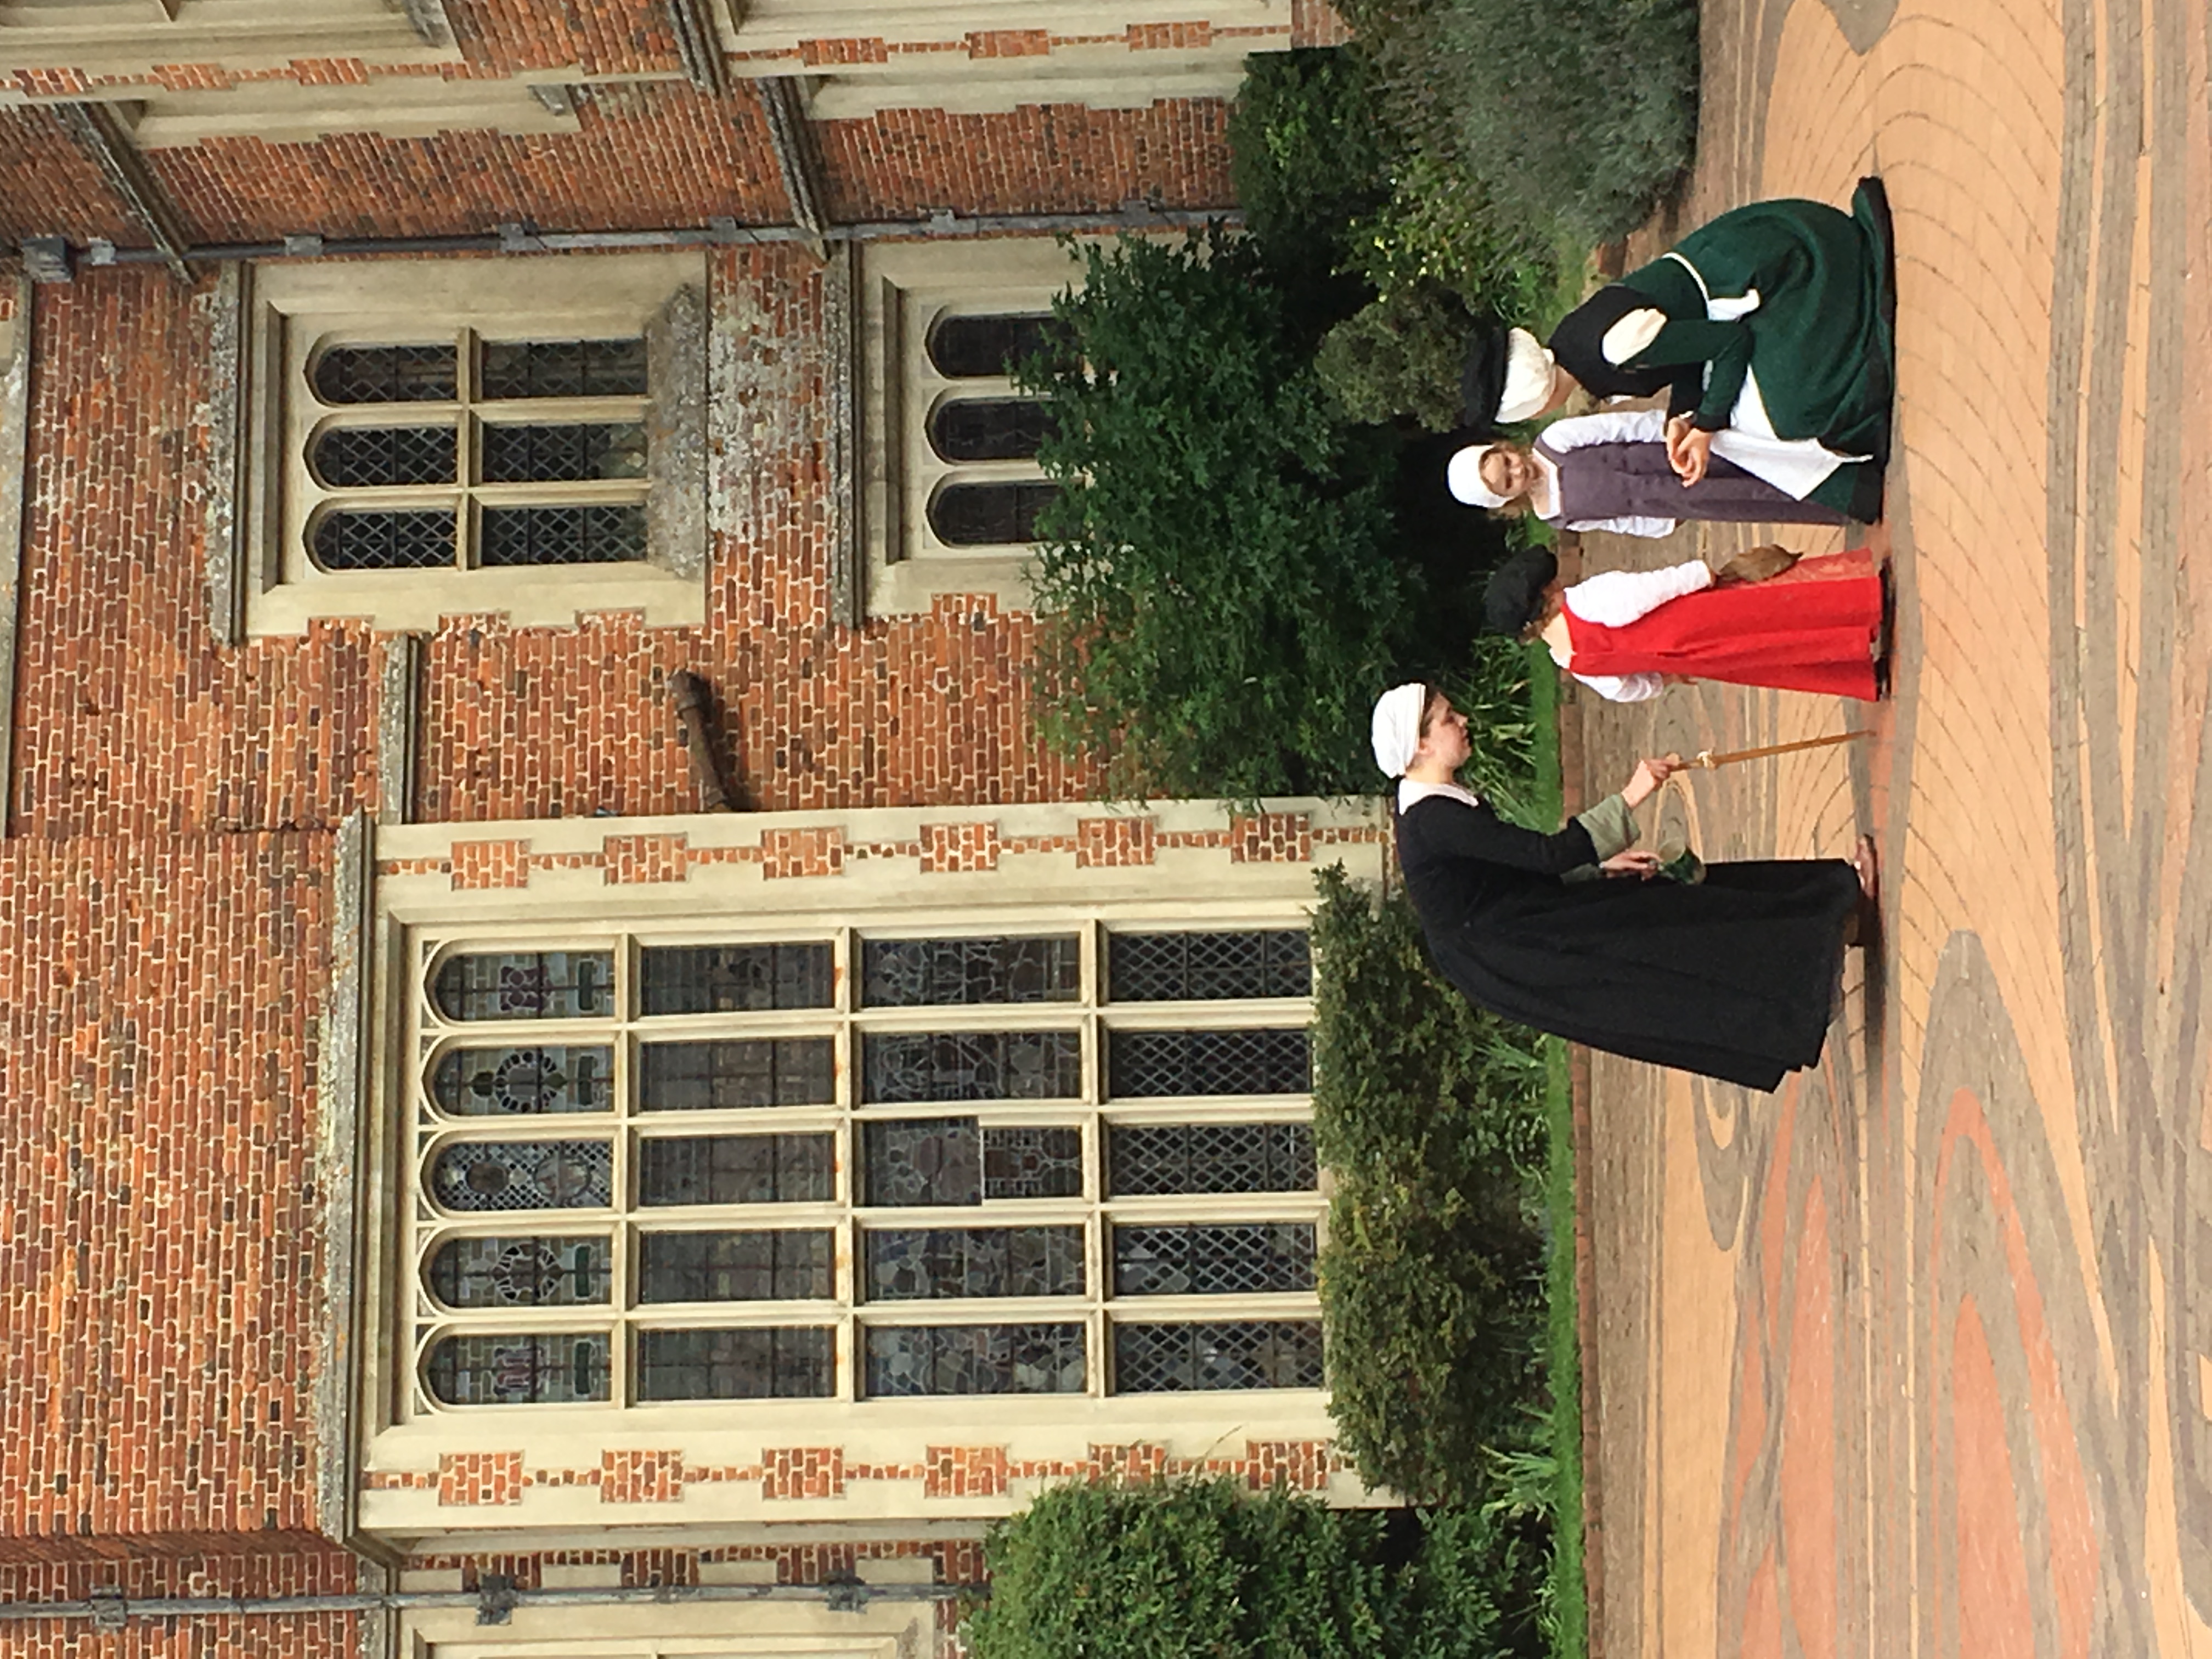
point(1689, 451)
point(1639, 864)
point(1651, 772)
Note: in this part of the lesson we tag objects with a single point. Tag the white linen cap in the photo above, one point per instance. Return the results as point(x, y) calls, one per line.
point(1527, 378)
point(1463, 478)
point(1397, 727)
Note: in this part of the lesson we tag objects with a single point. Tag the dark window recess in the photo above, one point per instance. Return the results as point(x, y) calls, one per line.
point(1213, 1260)
point(514, 536)
point(788, 1266)
point(926, 1264)
point(1150, 1064)
point(527, 985)
point(777, 1363)
point(563, 453)
point(976, 348)
point(476, 1176)
point(950, 1160)
point(1208, 967)
point(486, 1082)
point(387, 374)
point(733, 979)
point(989, 514)
point(520, 1272)
point(736, 1169)
point(1151, 1158)
point(914, 972)
point(737, 1073)
point(350, 456)
point(1246, 1353)
point(989, 429)
point(942, 1359)
point(561, 368)
point(383, 539)
point(898, 1067)
point(550, 1369)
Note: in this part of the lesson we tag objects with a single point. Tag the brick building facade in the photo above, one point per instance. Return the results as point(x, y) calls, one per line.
point(398, 400)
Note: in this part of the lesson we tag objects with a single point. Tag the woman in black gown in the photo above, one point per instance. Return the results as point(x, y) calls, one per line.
point(1735, 977)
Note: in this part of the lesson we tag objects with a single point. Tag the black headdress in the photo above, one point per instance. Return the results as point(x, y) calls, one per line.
point(1513, 599)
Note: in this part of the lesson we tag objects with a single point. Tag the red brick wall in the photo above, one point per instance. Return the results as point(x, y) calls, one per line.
point(50, 188)
point(605, 37)
point(299, 1568)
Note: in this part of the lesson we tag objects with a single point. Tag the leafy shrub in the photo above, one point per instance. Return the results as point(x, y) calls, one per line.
point(1402, 355)
point(1441, 226)
point(1306, 156)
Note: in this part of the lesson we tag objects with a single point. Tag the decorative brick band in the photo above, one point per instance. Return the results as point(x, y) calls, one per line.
point(1158, 37)
point(640, 1477)
point(1272, 838)
point(793, 1472)
point(1113, 843)
point(964, 1471)
point(488, 864)
point(947, 848)
point(1009, 43)
point(868, 49)
point(802, 852)
point(467, 1479)
point(629, 858)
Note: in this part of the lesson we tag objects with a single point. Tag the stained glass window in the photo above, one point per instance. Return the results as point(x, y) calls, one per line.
point(547, 1369)
point(902, 1066)
point(1241, 1353)
point(550, 1078)
point(797, 1168)
point(989, 514)
point(953, 1160)
point(990, 347)
point(755, 1362)
point(582, 533)
point(1145, 1159)
point(351, 455)
point(719, 979)
point(955, 1359)
point(562, 368)
point(922, 1264)
point(989, 429)
point(554, 453)
point(1213, 1259)
point(474, 1176)
point(911, 973)
point(501, 1271)
point(726, 1074)
point(527, 985)
point(788, 1265)
point(387, 374)
point(1149, 1065)
point(1209, 967)
point(383, 539)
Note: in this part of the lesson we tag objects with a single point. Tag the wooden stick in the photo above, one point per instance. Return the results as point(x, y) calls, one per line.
point(1709, 760)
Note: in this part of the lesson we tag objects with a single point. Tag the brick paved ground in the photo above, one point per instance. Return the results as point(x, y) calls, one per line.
point(1916, 1356)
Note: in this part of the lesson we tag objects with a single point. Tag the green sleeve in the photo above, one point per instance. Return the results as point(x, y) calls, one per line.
point(1612, 829)
point(1725, 346)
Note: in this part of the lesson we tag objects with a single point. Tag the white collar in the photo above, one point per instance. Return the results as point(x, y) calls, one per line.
point(1410, 791)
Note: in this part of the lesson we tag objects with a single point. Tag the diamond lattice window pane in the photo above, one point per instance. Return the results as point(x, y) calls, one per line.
point(532, 1081)
point(352, 457)
point(736, 1169)
point(775, 1363)
point(989, 429)
point(725, 979)
point(912, 973)
point(1145, 1159)
point(387, 374)
point(383, 539)
point(547, 1369)
point(737, 1073)
point(963, 1360)
point(1204, 1356)
point(788, 1265)
point(1209, 967)
point(526, 985)
point(472, 1176)
point(899, 1066)
point(938, 1161)
point(990, 347)
point(513, 536)
point(922, 1264)
point(1150, 1064)
point(563, 453)
point(1213, 1260)
point(989, 514)
point(562, 368)
point(501, 1271)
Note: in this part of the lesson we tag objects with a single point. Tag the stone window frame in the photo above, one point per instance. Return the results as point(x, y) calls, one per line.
point(127, 40)
point(878, 1627)
point(904, 289)
point(292, 310)
point(423, 1229)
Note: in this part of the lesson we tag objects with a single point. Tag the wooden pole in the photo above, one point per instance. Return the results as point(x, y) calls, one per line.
point(1708, 760)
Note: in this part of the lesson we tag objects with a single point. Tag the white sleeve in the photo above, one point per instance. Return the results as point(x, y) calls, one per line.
point(1620, 425)
point(1614, 598)
point(1624, 687)
point(1629, 526)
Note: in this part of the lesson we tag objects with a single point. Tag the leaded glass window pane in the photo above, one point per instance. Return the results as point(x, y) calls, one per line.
point(384, 538)
point(1245, 1354)
point(1213, 1260)
point(1209, 967)
point(733, 1073)
point(920, 1264)
point(566, 453)
point(958, 1359)
point(345, 457)
point(549, 1368)
point(989, 429)
point(564, 368)
point(527, 985)
point(553, 1078)
point(992, 347)
point(723, 979)
point(594, 534)
point(989, 514)
point(912, 973)
point(777, 1363)
point(899, 1066)
point(477, 1175)
point(1151, 1158)
point(505, 1271)
point(387, 374)
point(736, 1169)
point(788, 1266)
point(934, 1161)
point(1149, 1065)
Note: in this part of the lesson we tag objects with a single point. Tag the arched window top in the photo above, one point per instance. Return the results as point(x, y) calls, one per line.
point(989, 429)
point(989, 514)
point(976, 347)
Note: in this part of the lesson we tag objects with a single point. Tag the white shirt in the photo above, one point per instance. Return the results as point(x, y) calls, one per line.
point(1409, 791)
point(1614, 598)
point(1621, 426)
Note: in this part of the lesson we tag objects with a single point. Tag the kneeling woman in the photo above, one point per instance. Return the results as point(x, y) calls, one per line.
point(1735, 978)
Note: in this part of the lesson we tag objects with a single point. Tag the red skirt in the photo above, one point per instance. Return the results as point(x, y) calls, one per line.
point(1812, 629)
